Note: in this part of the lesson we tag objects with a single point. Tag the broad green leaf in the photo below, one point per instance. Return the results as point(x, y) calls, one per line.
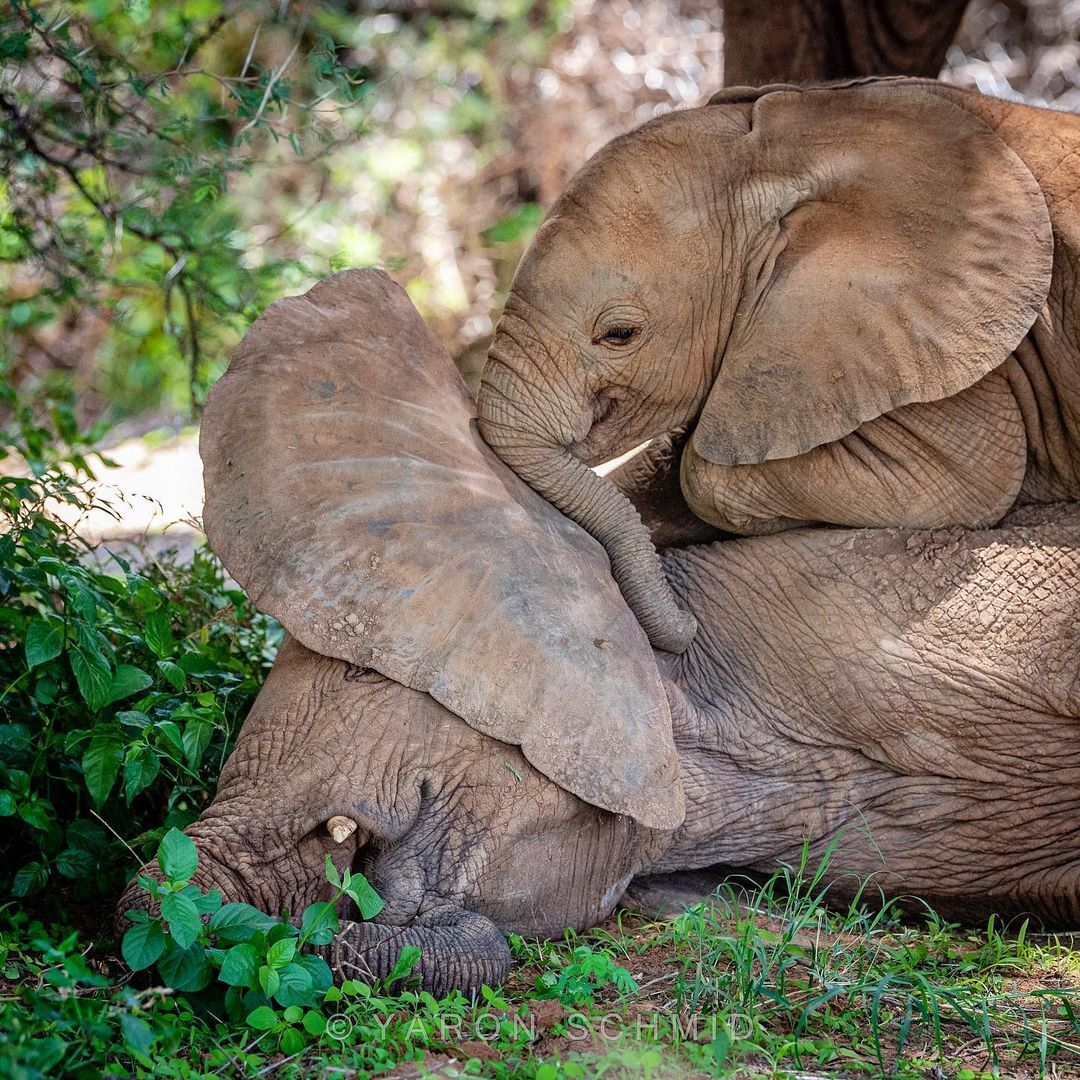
point(29, 879)
point(101, 763)
point(296, 986)
point(407, 959)
point(45, 691)
point(332, 874)
point(133, 719)
point(75, 863)
point(7, 804)
point(173, 672)
point(314, 1023)
point(319, 924)
point(44, 641)
point(234, 1001)
point(79, 598)
point(184, 969)
point(171, 734)
point(38, 814)
point(15, 743)
point(141, 768)
point(239, 922)
point(322, 978)
point(137, 1034)
point(208, 902)
point(142, 945)
point(157, 632)
point(263, 1019)
point(197, 732)
point(279, 931)
point(108, 583)
point(128, 680)
point(240, 966)
point(269, 980)
point(281, 952)
point(292, 1041)
point(183, 918)
point(92, 674)
point(515, 226)
point(194, 663)
point(364, 896)
point(177, 856)
point(144, 594)
point(720, 1046)
point(87, 835)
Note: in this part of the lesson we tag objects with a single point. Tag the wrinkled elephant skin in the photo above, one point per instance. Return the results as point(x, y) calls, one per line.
point(908, 692)
point(859, 301)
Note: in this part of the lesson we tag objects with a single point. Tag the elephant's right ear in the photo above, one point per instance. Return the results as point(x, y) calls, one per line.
point(348, 490)
point(902, 252)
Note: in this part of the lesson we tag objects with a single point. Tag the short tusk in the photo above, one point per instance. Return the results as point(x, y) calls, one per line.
point(341, 828)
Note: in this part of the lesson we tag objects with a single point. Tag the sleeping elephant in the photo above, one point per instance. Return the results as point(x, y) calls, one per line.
point(861, 302)
point(467, 711)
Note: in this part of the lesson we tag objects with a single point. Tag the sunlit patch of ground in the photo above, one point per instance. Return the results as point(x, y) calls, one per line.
point(149, 502)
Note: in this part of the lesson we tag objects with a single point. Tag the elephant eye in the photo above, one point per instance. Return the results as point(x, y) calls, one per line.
point(619, 335)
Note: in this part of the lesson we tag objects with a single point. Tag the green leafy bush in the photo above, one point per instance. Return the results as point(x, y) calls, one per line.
point(122, 126)
point(193, 940)
point(587, 972)
point(120, 690)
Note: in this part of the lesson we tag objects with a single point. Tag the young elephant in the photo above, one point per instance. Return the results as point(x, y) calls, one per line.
point(468, 712)
point(861, 299)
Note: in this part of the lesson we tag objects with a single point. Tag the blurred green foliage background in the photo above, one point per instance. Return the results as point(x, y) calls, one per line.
point(170, 168)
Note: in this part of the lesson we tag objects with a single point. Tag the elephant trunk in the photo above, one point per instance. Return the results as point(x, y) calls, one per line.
point(591, 501)
point(458, 950)
point(209, 875)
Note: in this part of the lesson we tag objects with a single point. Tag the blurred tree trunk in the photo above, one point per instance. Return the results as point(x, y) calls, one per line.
point(816, 40)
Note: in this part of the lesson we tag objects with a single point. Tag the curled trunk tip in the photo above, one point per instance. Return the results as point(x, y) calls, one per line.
point(603, 511)
point(459, 950)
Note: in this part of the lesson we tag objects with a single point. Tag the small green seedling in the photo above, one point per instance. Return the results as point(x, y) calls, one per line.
point(588, 972)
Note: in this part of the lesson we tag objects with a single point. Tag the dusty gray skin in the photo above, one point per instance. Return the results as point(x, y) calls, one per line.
point(915, 693)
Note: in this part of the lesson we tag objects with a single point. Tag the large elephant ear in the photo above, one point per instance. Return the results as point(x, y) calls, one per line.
point(903, 253)
point(348, 490)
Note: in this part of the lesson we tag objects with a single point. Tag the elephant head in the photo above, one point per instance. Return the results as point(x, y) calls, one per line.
point(457, 832)
point(465, 709)
point(771, 270)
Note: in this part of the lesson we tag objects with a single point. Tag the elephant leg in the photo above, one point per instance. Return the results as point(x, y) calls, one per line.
point(958, 461)
point(819, 40)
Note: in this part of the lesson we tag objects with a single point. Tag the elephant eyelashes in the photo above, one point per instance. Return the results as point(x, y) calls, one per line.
point(619, 335)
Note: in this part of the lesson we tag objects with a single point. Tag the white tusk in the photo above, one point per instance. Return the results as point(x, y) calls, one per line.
point(341, 828)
